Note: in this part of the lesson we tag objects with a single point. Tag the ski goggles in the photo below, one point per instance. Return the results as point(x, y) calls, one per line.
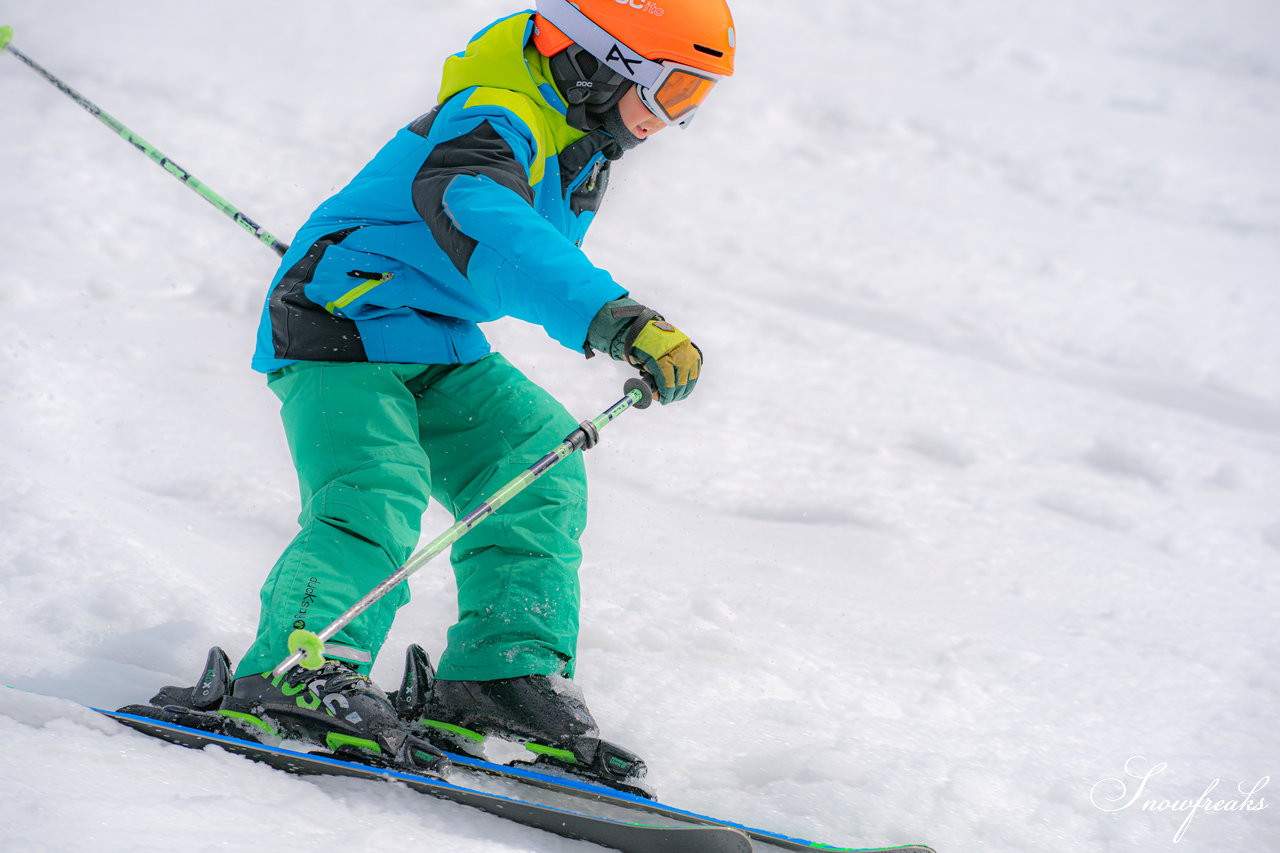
point(677, 93)
point(670, 90)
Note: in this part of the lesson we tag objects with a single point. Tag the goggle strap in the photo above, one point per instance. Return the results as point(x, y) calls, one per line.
point(596, 41)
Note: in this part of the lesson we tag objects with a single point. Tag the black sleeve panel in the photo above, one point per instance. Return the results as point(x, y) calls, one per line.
point(481, 152)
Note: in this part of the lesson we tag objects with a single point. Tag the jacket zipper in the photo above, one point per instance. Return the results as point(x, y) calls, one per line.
point(590, 173)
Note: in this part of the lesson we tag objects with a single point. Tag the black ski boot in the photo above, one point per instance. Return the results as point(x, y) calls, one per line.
point(545, 713)
point(334, 707)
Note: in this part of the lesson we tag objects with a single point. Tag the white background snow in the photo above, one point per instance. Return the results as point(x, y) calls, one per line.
point(979, 498)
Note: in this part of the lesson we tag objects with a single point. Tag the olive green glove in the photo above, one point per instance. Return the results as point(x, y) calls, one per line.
point(630, 332)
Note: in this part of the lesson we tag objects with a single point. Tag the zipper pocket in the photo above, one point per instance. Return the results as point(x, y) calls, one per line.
point(590, 174)
point(371, 280)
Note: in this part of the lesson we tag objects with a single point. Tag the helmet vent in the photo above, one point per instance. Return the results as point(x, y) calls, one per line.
point(711, 50)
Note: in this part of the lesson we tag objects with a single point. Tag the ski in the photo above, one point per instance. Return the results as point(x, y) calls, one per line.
point(690, 833)
point(549, 774)
point(586, 790)
point(606, 832)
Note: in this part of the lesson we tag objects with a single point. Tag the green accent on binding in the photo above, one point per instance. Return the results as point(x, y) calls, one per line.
point(312, 703)
point(550, 751)
point(452, 729)
point(311, 646)
point(256, 722)
point(6, 36)
point(334, 740)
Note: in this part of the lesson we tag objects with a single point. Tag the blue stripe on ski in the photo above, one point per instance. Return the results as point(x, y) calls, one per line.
point(321, 758)
point(533, 777)
point(613, 794)
point(619, 834)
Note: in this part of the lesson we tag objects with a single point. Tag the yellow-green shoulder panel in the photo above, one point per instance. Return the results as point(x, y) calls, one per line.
point(523, 108)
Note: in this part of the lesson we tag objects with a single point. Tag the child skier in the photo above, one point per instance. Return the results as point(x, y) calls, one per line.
point(390, 395)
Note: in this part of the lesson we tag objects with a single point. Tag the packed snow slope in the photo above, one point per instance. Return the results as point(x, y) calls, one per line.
point(977, 503)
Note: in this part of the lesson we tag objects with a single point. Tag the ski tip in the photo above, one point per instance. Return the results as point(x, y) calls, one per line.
point(6, 36)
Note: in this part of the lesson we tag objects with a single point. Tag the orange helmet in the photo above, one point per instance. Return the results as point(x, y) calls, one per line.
point(673, 50)
point(694, 32)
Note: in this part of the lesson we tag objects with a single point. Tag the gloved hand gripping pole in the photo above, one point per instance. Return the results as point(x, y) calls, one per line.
point(6, 35)
point(307, 648)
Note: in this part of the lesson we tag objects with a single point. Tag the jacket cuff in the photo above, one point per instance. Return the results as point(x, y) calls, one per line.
point(607, 332)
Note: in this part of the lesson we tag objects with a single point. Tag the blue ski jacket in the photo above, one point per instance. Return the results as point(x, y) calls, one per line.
point(474, 211)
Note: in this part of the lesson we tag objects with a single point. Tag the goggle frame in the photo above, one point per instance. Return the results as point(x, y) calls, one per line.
point(651, 96)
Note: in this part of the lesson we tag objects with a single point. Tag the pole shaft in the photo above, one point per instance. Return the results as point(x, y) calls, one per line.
point(574, 441)
point(148, 149)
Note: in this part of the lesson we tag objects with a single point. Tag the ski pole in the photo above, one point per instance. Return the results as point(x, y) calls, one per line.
point(307, 648)
point(6, 35)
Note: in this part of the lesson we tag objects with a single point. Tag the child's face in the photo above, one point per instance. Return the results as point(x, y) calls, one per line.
point(636, 116)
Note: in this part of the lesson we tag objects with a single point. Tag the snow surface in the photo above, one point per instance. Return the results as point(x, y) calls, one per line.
point(978, 501)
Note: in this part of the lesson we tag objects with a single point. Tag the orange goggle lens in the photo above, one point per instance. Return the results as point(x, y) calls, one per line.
point(682, 92)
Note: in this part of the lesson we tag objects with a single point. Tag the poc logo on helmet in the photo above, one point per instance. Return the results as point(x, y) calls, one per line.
point(644, 6)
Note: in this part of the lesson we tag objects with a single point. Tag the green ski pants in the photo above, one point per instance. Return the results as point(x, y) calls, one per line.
point(372, 443)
